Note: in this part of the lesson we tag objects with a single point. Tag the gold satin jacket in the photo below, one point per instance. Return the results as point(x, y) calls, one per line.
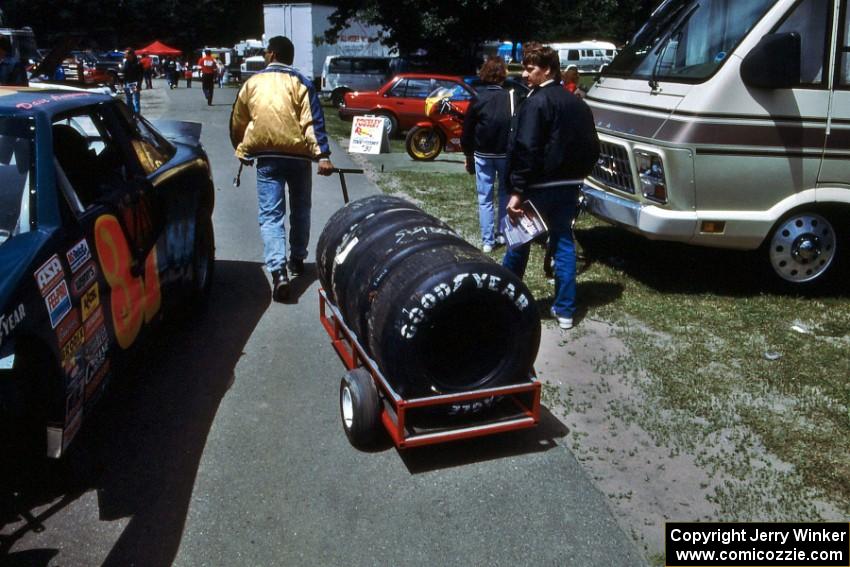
point(278, 111)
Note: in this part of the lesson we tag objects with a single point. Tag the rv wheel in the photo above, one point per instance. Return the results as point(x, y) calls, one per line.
point(803, 248)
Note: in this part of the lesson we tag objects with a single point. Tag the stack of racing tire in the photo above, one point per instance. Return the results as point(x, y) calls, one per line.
point(434, 313)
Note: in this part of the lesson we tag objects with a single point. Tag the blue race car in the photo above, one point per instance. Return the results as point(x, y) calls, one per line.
point(105, 227)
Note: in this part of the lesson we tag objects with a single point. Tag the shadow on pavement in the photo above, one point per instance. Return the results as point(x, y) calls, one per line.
point(302, 283)
point(460, 453)
point(141, 448)
point(676, 268)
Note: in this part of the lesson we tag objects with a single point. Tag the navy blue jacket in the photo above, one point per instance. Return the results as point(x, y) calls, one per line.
point(554, 139)
point(487, 123)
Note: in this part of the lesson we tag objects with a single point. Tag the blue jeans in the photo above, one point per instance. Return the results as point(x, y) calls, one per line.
point(558, 207)
point(272, 175)
point(486, 171)
point(133, 96)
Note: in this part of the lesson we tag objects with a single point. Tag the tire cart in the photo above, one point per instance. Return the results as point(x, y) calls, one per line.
point(367, 400)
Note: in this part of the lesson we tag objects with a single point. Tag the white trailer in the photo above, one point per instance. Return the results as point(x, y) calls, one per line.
point(305, 24)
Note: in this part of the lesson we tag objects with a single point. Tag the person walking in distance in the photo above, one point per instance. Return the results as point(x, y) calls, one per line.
point(553, 148)
point(187, 73)
point(133, 72)
point(208, 73)
point(147, 70)
point(277, 117)
point(485, 140)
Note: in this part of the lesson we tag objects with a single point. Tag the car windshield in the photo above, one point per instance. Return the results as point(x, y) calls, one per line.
point(15, 176)
point(687, 40)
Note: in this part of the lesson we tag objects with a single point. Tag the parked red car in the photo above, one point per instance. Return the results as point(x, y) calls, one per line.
point(402, 99)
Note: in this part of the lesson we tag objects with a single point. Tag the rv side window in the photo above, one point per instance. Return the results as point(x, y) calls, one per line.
point(572, 55)
point(370, 66)
point(339, 66)
point(809, 19)
point(844, 79)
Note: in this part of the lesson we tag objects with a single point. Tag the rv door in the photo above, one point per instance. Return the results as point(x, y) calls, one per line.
point(836, 162)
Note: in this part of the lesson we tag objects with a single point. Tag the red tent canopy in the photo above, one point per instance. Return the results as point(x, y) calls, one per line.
point(158, 48)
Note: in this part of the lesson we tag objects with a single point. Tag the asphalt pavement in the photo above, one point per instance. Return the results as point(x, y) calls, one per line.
point(225, 447)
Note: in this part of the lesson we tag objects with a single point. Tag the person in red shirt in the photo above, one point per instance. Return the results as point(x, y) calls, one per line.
point(208, 72)
point(570, 81)
point(147, 70)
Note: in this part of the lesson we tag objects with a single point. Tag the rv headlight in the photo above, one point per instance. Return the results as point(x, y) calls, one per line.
point(651, 172)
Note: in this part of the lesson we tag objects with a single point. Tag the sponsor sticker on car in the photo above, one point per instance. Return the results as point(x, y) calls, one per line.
point(58, 303)
point(94, 322)
point(68, 327)
point(83, 280)
point(78, 255)
point(49, 273)
point(69, 351)
point(90, 301)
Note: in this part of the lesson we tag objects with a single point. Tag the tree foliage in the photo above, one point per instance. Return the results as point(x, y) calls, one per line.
point(450, 30)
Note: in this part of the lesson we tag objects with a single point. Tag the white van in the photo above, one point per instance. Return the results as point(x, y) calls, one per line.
point(586, 56)
point(726, 123)
point(345, 73)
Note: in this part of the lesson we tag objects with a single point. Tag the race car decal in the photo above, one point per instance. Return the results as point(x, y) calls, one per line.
point(133, 299)
point(78, 255)
point(10, 321)
point(94, 322)
point(69, 351)
point(67, 327)
point(90, 301)
point(58, 303)
point(96, 351)
point(49, 273)
point(82, 280)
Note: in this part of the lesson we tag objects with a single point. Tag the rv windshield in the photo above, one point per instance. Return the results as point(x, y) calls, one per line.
point(687, 40)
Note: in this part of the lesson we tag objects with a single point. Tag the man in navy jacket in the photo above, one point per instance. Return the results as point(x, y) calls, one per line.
point(552, 149)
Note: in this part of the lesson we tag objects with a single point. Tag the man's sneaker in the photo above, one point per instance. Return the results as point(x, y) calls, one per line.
point(563, 322)
point(486, 248)
point(296, 267)
point(280, 285)
point(500, 240)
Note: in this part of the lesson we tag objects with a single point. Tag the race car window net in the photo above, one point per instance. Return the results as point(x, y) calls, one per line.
point(88, 156)
point(150, 147)
point(16, 175)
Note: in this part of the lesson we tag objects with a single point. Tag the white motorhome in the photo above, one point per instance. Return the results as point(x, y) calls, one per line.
point(726, 123)
point(306, 23)
point(586, 56)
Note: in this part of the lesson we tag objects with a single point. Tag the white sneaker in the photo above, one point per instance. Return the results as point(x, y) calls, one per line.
point(486, 248)
point(500, 240)
point(563, 322)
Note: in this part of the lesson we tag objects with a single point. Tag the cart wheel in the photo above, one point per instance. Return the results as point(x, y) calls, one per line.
point(359, 407)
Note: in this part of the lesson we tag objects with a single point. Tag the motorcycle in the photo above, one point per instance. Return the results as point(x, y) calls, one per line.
point(441, 132)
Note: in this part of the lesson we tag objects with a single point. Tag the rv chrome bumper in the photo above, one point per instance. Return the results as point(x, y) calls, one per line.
point(649, 220)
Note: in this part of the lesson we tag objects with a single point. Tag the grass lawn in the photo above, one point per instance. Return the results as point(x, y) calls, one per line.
point(751, 380)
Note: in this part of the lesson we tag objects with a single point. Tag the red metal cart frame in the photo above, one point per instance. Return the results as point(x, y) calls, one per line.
point(395, 412)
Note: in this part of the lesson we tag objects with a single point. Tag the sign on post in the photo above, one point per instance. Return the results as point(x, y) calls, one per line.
point(369, 135)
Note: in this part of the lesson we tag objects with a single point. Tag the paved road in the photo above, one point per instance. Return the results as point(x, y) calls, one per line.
point(225, 447)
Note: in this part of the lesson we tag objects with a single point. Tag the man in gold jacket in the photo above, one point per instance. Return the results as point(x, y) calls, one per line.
point(277, 120)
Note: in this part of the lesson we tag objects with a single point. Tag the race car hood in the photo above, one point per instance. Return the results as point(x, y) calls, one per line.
point(16, 257)
point(179, 131)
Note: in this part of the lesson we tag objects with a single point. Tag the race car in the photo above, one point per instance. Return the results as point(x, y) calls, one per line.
point(105, 229)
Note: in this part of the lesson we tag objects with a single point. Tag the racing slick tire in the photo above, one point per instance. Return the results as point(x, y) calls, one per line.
point(339, 227)
point(448, 320)
point(359, 407)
